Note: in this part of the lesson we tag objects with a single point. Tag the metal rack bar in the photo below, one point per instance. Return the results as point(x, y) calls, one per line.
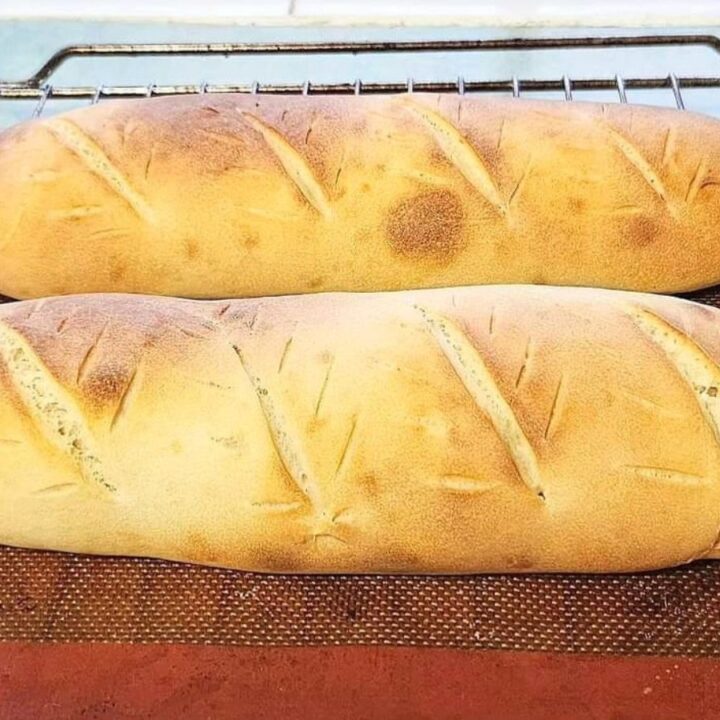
point(39, 88)
point(620, 84)
point(513, 85)
point(355, 48)
point(45, 92)
point(675, 84)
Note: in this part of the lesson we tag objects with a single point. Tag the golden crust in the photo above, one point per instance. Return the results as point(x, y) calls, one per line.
point(439, 431)
point(228, 196)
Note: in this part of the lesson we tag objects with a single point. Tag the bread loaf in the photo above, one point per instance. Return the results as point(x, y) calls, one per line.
point(235, 195)
point(439, 431)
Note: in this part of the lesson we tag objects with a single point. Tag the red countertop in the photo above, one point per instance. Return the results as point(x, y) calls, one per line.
point(182, 681)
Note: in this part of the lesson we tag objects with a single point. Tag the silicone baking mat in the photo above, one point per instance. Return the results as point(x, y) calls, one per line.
point(56, 597)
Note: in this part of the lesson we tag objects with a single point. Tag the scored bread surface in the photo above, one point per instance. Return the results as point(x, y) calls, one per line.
point(440, 431)
point(233, 195)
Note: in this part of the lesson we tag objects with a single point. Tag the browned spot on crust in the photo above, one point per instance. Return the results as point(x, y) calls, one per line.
point(191, 249)
point(639, 230)
point(315, 424)
point(427, 226)
point(200, 549)
point(370, 483)
point(277, 560)
point(519, 562)
point(316, 283)
point(577, 204)
point(251, 240)
point(104, 385)
point(117, 271)
point(437, 158)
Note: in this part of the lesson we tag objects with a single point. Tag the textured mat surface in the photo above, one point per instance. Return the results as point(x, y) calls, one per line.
point(58, 597)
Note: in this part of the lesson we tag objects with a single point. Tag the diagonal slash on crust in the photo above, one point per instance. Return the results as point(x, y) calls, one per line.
point(637, 160)
point(69, 135)
point(290, 456)
point(461, 154)
point(51, 408)
point(691, 362)
point(479, 383)
point(295, 166)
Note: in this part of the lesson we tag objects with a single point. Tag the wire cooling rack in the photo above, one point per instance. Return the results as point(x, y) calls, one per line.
point(40, 87)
